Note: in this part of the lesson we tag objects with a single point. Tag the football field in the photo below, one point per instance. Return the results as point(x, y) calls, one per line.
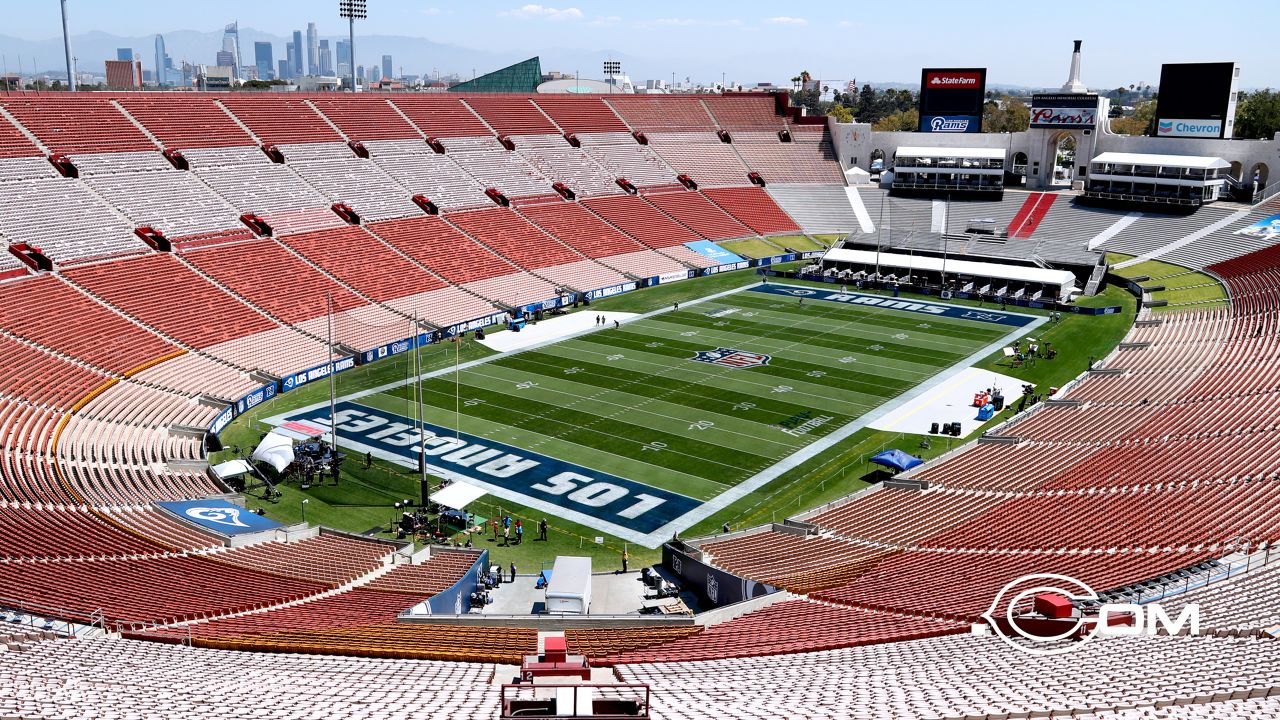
point(644, 429)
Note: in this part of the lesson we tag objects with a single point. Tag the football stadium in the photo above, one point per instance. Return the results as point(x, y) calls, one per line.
point(493, 401)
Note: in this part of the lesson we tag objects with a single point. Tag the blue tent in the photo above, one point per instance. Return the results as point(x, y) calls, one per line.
point(896, 460)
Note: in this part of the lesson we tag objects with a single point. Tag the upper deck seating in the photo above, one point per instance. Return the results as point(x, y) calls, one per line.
point(278, 119)
point(578, 115)
point(365, 117)
point(745, 112)
point(511, 114)
point(184, 121)
point(76, 123)
point(663, 114)
point(441, 116)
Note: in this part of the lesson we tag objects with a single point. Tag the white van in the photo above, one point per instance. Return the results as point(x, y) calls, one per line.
point(569, 590)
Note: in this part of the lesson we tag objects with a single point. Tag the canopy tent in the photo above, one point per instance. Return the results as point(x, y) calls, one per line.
point(276, 450)
point(960, 153)
point(1197, 162)
point(1063, 280)
point(232, 469)
point(896, 460)
point(458, 495)
point(857, 176)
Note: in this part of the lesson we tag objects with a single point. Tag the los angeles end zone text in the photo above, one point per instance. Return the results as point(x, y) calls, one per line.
point(591, 497)
point(630, 506)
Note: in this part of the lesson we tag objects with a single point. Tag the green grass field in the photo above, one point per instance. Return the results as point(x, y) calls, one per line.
point(583, 407)
point(752, 248)
point(1182, 286)
point(607, 399)
point(795, 242)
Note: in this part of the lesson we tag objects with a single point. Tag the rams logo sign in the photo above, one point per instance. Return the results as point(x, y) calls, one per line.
point(729, 357)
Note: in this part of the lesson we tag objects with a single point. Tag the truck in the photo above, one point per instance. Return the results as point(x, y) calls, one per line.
point(569, 589)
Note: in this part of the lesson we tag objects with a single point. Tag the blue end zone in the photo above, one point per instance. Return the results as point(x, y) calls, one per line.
point(995, 317)
point(623, 507)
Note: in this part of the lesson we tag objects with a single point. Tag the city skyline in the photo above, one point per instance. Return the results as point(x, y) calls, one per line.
point(748, 41)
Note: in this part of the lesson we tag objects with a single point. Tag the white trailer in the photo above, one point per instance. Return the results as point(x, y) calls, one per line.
point(569, 590)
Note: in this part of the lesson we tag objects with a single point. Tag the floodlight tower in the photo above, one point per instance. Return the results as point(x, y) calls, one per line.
point(352, 10)
point(66, 46)
point(612, 68)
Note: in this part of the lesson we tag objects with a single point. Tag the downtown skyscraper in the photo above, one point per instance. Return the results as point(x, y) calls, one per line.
point(313, 49)
point(231, 44)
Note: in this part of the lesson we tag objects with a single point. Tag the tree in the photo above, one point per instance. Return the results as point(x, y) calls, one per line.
point(1005, 114)
point(903, 120)
point(1141, 122)
point(1258, 115)
point(841, 113)
point(866, 102)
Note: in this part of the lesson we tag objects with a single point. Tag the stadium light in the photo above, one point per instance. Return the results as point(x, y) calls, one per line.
point(611, 68)
point(352, 10)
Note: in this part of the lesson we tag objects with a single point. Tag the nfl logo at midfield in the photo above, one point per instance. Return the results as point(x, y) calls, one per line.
point(731, 358)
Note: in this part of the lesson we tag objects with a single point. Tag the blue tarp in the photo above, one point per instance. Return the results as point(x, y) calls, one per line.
point(708, 249)
point(897, 460)
point(219, 516)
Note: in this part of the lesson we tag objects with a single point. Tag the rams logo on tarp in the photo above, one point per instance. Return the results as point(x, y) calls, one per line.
point(732, 358)
point(222, 516)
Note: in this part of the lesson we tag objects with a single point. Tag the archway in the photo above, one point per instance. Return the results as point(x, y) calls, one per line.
point(1237, 170)
point(1017, 172)
point(1063, 154)
point(1260, 175)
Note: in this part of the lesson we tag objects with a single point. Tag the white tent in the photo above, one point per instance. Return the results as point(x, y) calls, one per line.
point(231, 469)
point(457, 496)
point(857, 176)
point(276, 450)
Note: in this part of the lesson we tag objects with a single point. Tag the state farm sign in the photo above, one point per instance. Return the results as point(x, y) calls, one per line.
point(963, 80)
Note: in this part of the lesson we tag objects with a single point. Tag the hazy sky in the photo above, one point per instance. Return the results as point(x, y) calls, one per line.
point(1023, 43)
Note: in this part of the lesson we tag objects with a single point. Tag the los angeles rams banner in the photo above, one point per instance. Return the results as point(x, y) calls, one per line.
point(219, 516)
